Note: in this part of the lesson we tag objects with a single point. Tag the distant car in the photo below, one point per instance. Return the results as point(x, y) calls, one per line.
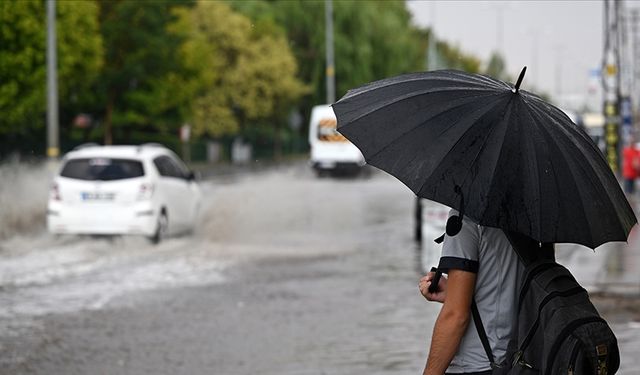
point(118, 190)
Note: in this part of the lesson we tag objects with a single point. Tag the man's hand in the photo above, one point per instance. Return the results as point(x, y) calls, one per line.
point(440, 294)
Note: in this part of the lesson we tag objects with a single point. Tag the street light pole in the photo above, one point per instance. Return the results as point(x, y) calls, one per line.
point(633, 57)
point(330, 69)
point(611, 85)
point(53, 149)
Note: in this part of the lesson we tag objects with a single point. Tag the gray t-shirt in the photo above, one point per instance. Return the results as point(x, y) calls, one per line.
point(487, 252)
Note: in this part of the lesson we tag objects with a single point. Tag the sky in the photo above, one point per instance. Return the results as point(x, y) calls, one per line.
point(560, 42)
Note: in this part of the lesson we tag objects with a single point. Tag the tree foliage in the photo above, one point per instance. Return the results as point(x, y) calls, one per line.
point(372, 40)
point(139, 55)
point(23, 61)
point(362, 52)
point(238, 71)
point(496, 67)
point(456, 59)
point(234, 67)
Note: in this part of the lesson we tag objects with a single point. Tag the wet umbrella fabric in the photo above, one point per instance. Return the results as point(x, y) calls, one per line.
point(504, 156)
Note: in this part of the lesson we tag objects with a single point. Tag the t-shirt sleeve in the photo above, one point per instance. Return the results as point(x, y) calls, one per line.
point(460, 252)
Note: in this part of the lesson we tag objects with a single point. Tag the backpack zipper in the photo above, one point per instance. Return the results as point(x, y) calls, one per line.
point(564, 334)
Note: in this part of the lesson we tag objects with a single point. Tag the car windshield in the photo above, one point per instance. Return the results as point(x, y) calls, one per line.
point(102, 169)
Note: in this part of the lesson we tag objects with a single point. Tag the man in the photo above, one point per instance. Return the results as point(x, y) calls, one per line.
point(481, 265)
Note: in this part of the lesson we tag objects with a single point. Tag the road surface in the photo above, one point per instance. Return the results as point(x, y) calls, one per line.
point(286, 274)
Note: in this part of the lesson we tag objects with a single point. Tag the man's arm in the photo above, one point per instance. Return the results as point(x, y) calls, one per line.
point(452, 321)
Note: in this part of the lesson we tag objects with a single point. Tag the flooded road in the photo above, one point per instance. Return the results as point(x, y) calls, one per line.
point(286, 274)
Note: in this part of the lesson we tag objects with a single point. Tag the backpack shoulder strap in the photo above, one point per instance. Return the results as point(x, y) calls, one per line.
point(529, 251)
point(481, 332)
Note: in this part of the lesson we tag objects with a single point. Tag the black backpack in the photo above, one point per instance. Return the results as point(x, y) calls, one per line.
point(559, 330)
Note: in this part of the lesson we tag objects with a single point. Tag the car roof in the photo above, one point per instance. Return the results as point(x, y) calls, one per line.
point(120, 151)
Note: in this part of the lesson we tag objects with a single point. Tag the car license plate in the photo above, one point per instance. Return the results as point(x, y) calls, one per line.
point(89, 196)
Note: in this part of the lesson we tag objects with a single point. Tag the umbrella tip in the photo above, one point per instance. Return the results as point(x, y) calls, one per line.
point(517, 87)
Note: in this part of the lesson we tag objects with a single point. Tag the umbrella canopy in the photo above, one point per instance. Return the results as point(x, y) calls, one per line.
point(503, 156)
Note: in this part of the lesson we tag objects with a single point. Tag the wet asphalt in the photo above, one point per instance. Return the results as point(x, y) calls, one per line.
point(286, 274)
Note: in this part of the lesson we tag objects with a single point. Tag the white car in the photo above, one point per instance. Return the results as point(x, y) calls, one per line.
point(113, 190)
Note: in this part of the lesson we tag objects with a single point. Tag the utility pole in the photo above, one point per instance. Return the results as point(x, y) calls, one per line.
point(626, 76)
point(53, 149)
point(330, 70)
point(611, 84)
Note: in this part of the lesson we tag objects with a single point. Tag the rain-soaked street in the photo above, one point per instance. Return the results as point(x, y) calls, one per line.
point(286, 274)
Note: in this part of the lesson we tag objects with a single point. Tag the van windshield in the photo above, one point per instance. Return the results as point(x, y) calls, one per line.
point(327, 131)
point(102, 169)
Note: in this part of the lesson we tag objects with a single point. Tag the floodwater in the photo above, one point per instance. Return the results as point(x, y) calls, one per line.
point(286, 274)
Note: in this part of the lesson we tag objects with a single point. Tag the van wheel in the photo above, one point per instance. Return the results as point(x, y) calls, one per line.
point(161, 229)
point(320, 173)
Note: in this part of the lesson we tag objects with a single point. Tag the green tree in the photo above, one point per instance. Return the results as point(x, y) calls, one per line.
point(372, 40)
point(140, 54)
point(365, 53)
point(23, 65)
point(80, 61)
point(456, 59)
point(237, 71)
point(362, 52)
point(496, 67)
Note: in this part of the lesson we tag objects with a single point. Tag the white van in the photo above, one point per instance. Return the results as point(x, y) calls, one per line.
point(330, 150)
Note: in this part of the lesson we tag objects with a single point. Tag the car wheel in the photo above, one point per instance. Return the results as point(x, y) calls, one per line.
point(161, 228)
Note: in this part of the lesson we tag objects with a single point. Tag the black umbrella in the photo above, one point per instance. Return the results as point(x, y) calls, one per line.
point(502, 156)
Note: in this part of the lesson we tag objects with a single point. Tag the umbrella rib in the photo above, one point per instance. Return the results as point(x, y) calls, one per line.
point(488, 109)
point(410, 95)
point(536, 171)
point(591, 167)
point(434, 75)
point(586, 148)
point(493, 174)
point(554, 140)
point(484, 143)
point(373, 155)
